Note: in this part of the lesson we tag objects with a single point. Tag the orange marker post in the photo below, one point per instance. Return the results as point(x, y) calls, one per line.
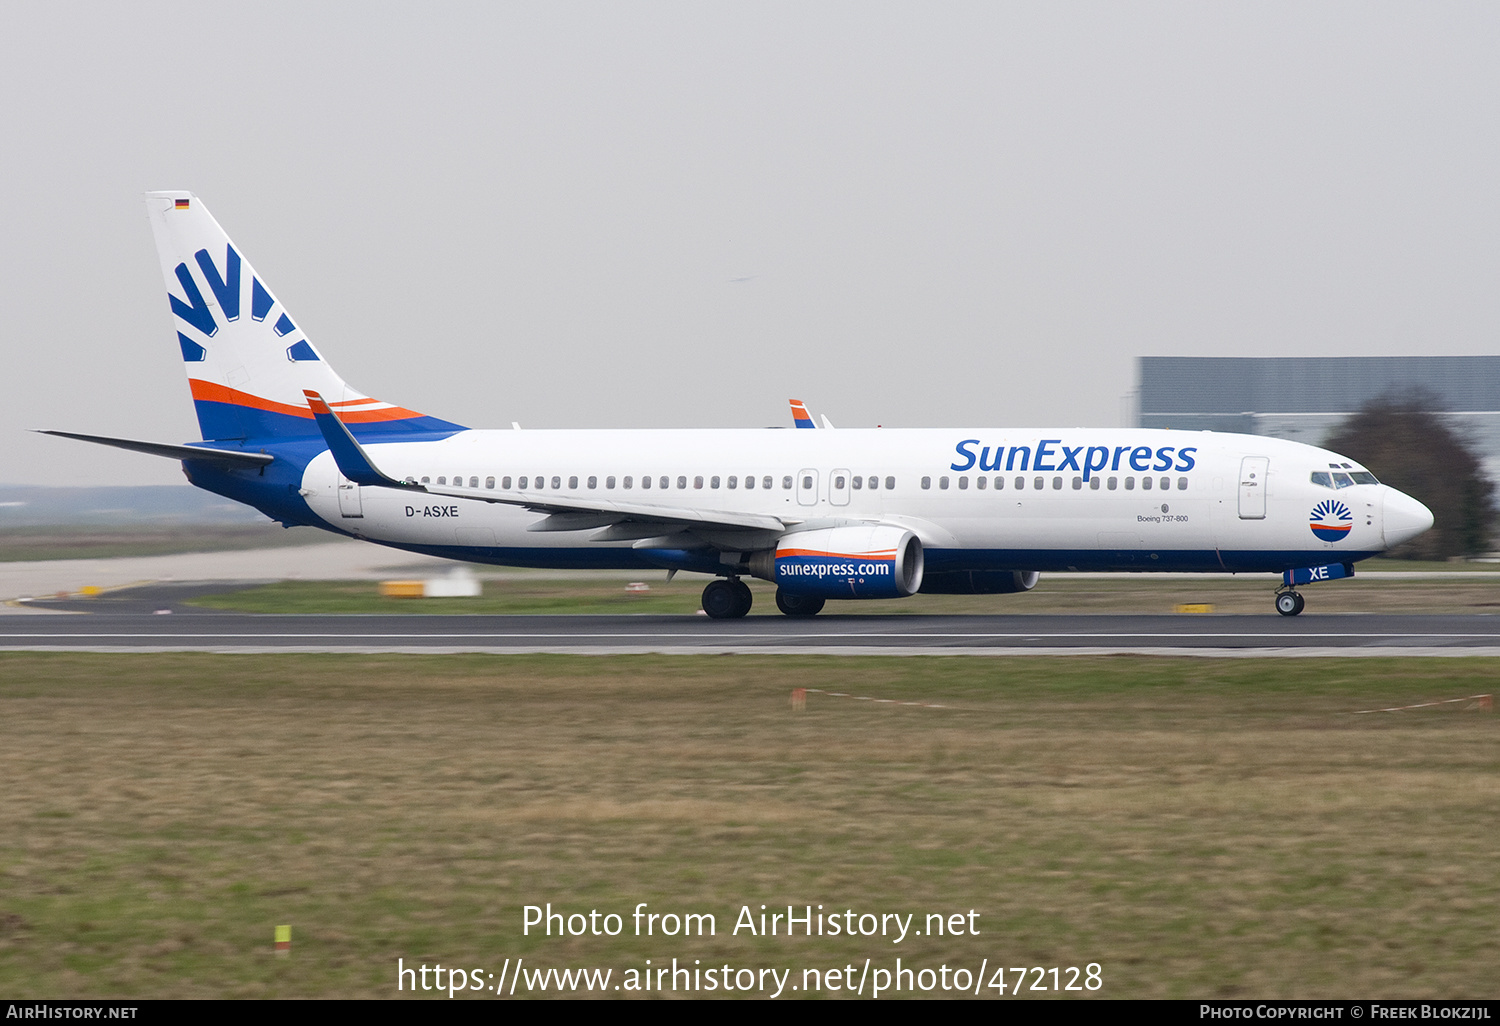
point(799, 699)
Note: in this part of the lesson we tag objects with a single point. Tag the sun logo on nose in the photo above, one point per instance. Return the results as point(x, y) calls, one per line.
point(1331, 520)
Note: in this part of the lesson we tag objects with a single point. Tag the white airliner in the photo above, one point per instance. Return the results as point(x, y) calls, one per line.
point(849, 514)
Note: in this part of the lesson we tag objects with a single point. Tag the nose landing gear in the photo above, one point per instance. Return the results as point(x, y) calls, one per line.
point(727, 598)
point(1289, 603)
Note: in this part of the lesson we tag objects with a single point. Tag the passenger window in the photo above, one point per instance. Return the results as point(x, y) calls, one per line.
point(838, 482)
point(981, 483)
point(572, 483)
point(1166, 484)
point(489, 482)
point(1182, 484)
point(734, 481)
point(1078, 484)
point(926, 482)
point(1057, 484)
point(443, 479)
point(942, 482)
point(1020, 484)
point(1130, 484)
point(681, 481)
point(890, 483)
point(627, 482)
point(749, 481)
point(505, 483)
point(663, 482)
point(1146, 484)
point(786, 482)
point(999, 483)
point(593, 481)
point(557, 484)
point(807, 481)
point(426, 480)
point(521, 484)
point(713, 482)
point(1039, 484)
point(857, 481)
point(609, 482)
point(963, 484)
point(698, 482)
point(1113, 483)
point(1343, 481)
point(646, 481)
point(1322, 477)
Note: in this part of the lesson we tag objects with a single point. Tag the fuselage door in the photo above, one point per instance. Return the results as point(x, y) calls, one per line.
point(807, 487)
point(1253, 471)
point(350, 504)
point(838, 488)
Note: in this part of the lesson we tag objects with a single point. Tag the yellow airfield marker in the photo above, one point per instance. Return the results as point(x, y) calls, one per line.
point(1193, 607)
point(283, 940)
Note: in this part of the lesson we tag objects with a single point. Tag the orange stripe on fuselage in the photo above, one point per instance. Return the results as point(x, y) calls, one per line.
point(209, 391)
point(792, 553)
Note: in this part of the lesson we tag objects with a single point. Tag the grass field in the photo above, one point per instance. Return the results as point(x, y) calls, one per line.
point(51, 542)
point(1056, 593)
point(1199, 828)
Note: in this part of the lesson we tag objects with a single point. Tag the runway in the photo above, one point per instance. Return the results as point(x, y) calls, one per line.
point(153, 620)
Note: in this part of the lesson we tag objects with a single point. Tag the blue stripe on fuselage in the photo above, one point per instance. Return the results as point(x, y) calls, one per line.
point(1112, 560)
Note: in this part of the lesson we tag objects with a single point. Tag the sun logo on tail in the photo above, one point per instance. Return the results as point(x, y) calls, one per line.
point(1331, 520)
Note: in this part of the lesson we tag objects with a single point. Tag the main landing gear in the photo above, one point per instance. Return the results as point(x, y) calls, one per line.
point(727, 598)
point(798, 605)
point(1289, 603)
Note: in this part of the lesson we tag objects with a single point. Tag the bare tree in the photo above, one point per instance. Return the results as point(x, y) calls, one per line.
point(1409, 446)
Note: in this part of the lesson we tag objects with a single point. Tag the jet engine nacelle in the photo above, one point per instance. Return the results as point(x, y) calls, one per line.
point(979, 582)
point(859, 562)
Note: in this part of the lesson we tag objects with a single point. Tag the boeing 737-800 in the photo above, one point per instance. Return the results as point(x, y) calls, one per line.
point(849, 514)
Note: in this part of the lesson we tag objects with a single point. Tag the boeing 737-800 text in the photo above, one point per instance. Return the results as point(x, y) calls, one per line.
point(849, 514)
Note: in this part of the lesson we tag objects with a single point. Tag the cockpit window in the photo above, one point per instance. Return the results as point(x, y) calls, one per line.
point(1322, 477)
point(1343, 481)
point(1363, 477)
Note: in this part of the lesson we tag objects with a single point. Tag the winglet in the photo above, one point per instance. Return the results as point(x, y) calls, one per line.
point(347, 453)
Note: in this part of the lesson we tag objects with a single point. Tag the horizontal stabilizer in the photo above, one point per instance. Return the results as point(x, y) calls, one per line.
point(172, 452)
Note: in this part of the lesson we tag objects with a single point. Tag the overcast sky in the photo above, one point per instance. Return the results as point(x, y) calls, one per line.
point(644, 214)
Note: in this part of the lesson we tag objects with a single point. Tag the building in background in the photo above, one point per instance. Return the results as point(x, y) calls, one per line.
point(1306, 398)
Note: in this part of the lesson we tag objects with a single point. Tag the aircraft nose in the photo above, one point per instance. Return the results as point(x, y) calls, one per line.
point(1405, 518)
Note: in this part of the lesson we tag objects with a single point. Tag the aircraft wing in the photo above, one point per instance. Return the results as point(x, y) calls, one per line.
point(577, 513)
point(175, 452)
point(567, 512)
